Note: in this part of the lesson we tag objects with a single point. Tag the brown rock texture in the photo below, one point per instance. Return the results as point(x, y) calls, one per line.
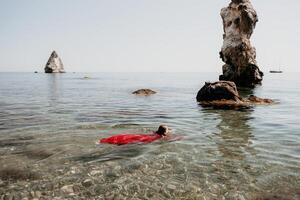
point(239, 20)
point(144, 92)
point(221, 90)
point(224, 94)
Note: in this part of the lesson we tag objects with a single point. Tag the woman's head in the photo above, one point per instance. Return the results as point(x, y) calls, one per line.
point(163, 130)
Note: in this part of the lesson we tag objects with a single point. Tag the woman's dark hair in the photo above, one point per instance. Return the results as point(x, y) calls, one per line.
point(162, 130)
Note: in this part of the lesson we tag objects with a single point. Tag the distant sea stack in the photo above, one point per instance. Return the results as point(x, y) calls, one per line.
point(54, 64)
point(239, 20)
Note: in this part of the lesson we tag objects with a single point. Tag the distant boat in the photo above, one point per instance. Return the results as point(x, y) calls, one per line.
point(276, 71)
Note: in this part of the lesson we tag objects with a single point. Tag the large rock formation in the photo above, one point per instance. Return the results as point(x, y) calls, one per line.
point(54, 64)
point(239, 20)
point(224, 94)
point(221, 90)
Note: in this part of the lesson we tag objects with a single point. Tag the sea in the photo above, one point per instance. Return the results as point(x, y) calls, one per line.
point(50, 125)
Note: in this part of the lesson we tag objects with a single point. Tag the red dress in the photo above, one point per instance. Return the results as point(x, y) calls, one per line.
point(131, 138)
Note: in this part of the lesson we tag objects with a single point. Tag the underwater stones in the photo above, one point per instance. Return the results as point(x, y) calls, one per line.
point(239, 20)
point(8, 196)
point(67, 189)
point(16, 174)
point(38, 154)
point(36, 195)
point(54, 64)
point(144, 92)
point(87, 183)
point(94, 172)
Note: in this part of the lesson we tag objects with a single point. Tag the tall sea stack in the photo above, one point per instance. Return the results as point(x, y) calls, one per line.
point(239, 20)
point(54, 64)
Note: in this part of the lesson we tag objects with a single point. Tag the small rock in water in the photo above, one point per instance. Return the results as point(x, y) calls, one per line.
point(257, 100)
point(94, 172)
point(144, 92)
point(220, 90)
point(87, 183)
point(67, 189)
point(38, 194)
point(35, 195)
point(224, 94)
point(1, 183)
point(8, 196)
point(171, 187)
point(74, 170)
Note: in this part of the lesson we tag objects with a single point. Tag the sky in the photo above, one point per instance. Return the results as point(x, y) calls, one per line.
point(139, 35)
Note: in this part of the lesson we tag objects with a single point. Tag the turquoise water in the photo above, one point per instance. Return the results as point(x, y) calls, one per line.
point(49, 124)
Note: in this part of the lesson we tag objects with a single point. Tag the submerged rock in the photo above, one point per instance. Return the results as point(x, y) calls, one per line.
point(224, 94)
point(239, 20)
point(54, 64)
point(144, 92)
point(87, 183)
point(67, 189)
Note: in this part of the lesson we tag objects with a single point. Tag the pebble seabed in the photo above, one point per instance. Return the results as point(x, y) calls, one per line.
point(124, 172)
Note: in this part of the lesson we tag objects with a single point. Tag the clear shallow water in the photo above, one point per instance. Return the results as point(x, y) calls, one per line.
point(49, 125)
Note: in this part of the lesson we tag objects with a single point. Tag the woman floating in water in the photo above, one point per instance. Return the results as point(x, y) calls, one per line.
point(163, 132)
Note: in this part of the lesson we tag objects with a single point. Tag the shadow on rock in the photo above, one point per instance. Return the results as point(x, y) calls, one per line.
point(224, 95)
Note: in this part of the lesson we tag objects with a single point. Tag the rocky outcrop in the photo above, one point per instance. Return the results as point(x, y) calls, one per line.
point(224, 94)
point(54, 64)
point(221, 90)
point(144, 92)
point(257, 100)
point(239, 20)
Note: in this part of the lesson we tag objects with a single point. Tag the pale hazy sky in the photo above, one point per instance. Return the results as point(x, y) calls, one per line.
point(139, 35)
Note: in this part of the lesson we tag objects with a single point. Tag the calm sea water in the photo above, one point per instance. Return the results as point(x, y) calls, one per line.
point(49, 124)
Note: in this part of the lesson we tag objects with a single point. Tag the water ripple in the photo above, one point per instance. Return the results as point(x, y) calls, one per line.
point(51, 123)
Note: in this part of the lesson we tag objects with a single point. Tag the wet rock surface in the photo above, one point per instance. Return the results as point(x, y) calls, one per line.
point(239, 21)
point(54, 64)
point(224, 94)
point(257, 100)
point(144, 92)
point(221, 90)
